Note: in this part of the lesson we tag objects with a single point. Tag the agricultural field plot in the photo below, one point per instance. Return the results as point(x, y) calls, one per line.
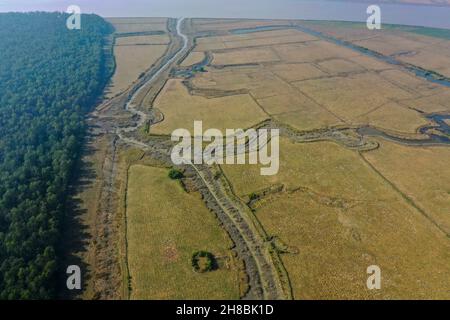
point(193, 58)
point(425, 54)
point(151, 40)
point(273, 94)
point(133, 25)
point(326, 187)
point(291, 72)
point(354, 95)
point(312, 51)
point(338, 216)
point(338, 66)
point(426, 48)
point(436, 101)
point(133, 56)
point(224, 25)
point(230, 79)
point(326, 84)
point(181, 110)
point(409, 82)
point(298, 111)
point(431, 61)
point(342, 201)
point(387, 118)
point(425, 180)
point(245, 56)
point(166, 226)
point(323, 100)
point(256, 39)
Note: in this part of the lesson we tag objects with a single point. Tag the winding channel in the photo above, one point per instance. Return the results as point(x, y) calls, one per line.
point(143, 118)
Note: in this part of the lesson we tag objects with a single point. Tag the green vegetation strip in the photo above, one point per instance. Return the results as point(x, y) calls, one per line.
point(49, 78)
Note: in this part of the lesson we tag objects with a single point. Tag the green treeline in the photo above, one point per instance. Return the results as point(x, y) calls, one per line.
point(49, 78)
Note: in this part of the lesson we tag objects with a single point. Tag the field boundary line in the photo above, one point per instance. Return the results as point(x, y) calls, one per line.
point(404, 196)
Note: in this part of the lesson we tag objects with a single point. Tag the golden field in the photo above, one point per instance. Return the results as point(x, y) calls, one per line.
point(342, 217)
point(132, 25)
point(256, 39)
point(297, 71)
point(243, 56)
point(193, 58)
point(143, 40)
point(339, 210)
point(181, 110)
point(425, 179)
point(313, 84)
point(392, 117)
point(165, 226)
point(352, 95)
point(222, 25)
point(131, 61)
point(408, 44)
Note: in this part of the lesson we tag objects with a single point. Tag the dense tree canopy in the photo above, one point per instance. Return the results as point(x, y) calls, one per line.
point(49, 78)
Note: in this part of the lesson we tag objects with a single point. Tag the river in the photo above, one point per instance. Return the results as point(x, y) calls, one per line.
point(429, 16)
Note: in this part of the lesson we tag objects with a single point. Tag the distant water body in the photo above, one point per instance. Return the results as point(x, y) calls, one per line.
point(429, 16)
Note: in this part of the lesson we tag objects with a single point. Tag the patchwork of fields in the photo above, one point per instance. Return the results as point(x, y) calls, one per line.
point(332, 210)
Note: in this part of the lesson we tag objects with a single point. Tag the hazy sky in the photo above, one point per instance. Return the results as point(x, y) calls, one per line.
point(288, 9)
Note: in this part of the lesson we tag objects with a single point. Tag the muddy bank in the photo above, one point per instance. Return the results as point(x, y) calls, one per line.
point(439, 134)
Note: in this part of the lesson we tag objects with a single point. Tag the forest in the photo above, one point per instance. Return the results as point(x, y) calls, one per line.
point(50, 77)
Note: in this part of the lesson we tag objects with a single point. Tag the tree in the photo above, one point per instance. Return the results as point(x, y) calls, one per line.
point(49, 78)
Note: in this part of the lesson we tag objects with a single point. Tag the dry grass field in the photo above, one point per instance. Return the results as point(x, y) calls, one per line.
point(426, 52)
point(426, 178)
point(339, 210)
point(298, 111)
point(134, 55)
point(181, 110)
point(339, 66)
point(408, 44)
point(297, 71)
point(437, 101)
point(312, 51)
point(229, 79)
point(131, 25)
point(256, 39)
point(220, 25)
point(304, 165)
point(166, 226)
point(143, 40)
point(193, 58)
point(388, 116)
point(352, 96)
point(314, 84)
point(342, 216)
point(244, 56)
point(131, 61)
